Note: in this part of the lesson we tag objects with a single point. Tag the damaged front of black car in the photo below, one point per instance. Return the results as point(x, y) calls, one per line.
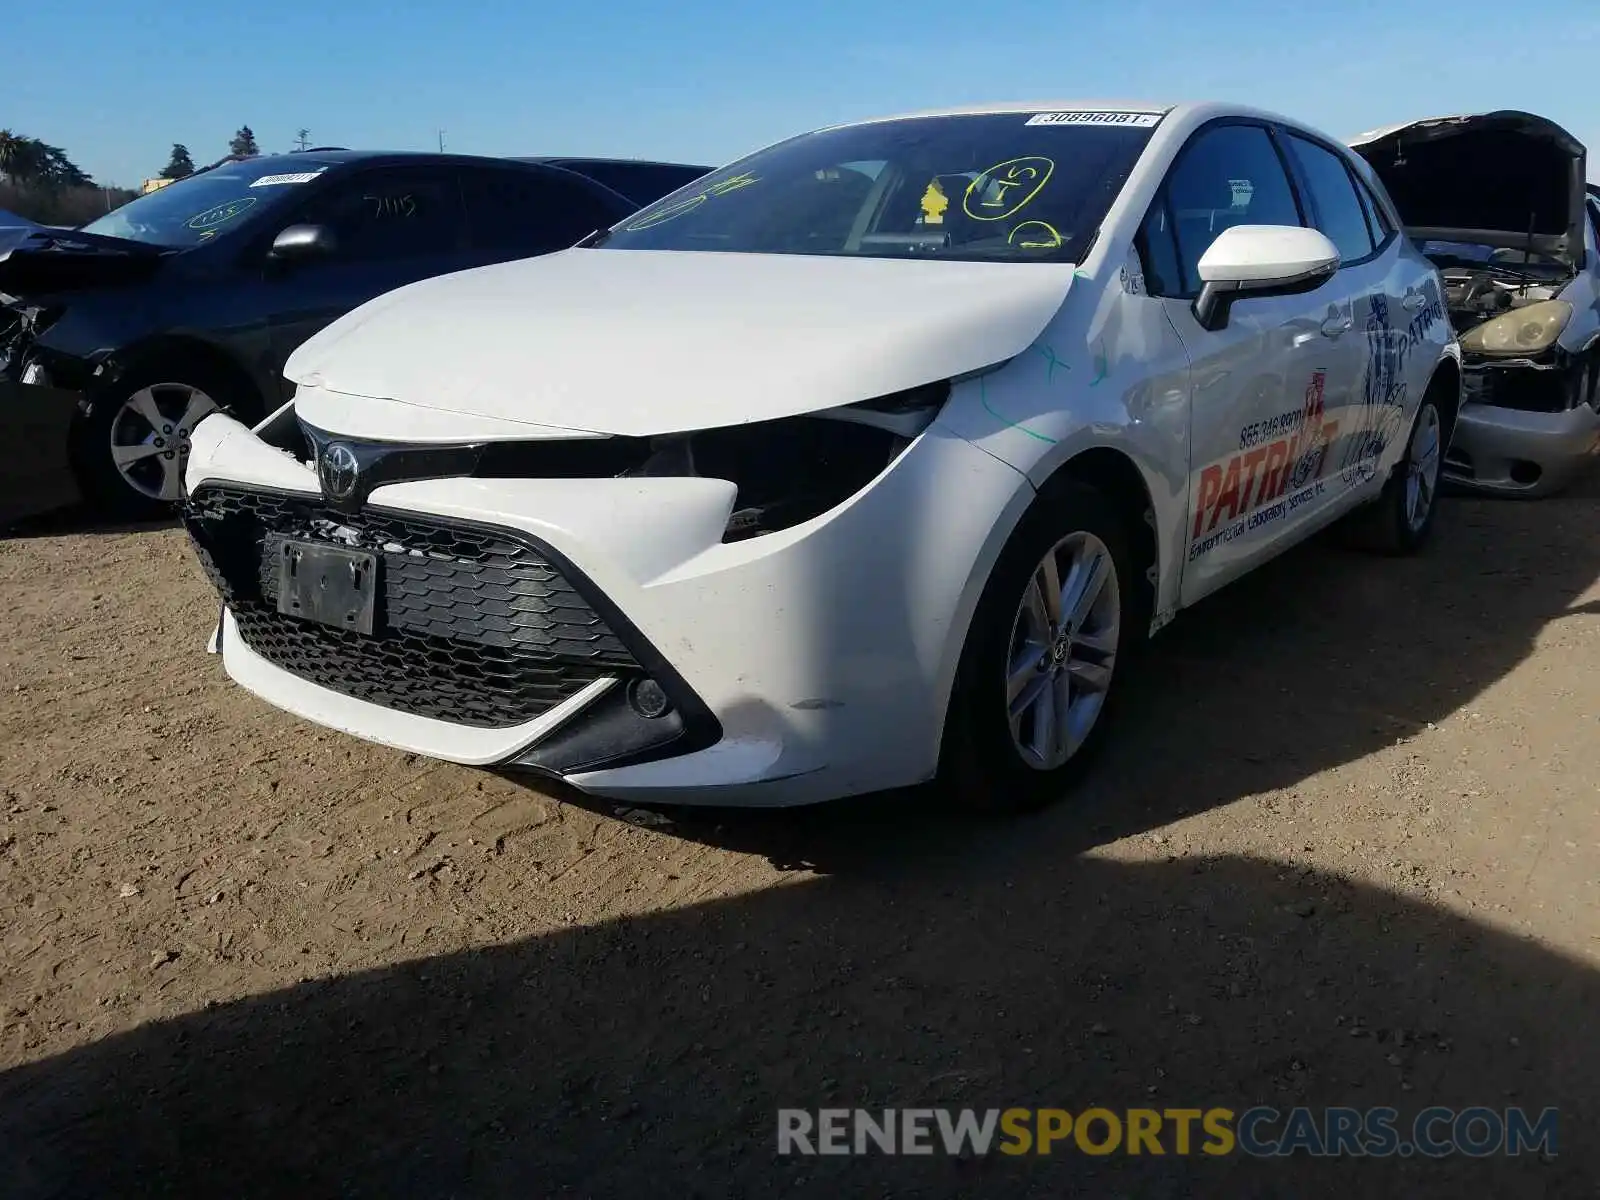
point(1498, 201)
point(62, 312)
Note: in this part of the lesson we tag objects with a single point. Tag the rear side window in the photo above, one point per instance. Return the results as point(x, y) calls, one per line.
point(1228, 175)
point(528, 213)
point(1377, 215)
point(1339, 213)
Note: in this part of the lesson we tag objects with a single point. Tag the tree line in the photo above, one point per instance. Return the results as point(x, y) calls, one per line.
point(40, 182)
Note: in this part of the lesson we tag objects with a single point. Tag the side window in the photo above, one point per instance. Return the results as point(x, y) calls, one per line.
point(1229, 175)
point(392, 213)
point(1158, 252)
point(1333, 196)
point(527, 213)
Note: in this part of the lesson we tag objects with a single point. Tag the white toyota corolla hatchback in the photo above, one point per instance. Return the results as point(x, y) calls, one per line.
point(867, 458)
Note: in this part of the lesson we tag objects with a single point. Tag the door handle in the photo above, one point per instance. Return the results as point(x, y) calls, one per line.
point(1334, 326)
point(1413, 301)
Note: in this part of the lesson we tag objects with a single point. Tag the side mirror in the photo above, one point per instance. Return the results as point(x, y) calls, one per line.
point(1261, 260)
point(302, 241)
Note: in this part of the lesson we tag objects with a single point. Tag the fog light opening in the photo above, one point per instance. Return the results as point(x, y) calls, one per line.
point(648, 699)
point(1524, 472)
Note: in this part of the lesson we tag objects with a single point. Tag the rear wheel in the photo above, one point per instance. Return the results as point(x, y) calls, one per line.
point(131, 448)
point(1399, 521)
point(1056, 623)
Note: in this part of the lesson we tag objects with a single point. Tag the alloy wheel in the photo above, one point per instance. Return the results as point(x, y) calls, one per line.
point(150, 437)
point(1422, 467)
point(1063, 650)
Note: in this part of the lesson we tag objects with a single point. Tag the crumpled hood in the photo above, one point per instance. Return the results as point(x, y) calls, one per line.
point(640, 342)
point(1491, 178)
point(43, 261)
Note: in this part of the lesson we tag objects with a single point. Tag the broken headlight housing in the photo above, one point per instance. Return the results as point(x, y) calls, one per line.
point(792, 469)
point(1522, 331)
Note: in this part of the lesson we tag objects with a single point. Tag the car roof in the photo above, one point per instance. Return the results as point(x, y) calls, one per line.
point(1189, 113)
point(340, 154)
point(576, 160)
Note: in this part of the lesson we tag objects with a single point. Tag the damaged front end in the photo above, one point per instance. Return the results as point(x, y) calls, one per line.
point(1497, 201)
point(21, 325)
point(787, 470)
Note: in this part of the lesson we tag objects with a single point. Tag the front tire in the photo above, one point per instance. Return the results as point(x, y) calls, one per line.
point(131, 447)
point(1061, 615)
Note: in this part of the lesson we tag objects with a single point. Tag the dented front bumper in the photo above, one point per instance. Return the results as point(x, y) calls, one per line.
point(1526, 429)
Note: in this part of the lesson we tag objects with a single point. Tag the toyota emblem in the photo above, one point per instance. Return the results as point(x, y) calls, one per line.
point(338, 470)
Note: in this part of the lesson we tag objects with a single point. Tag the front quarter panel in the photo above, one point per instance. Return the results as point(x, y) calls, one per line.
point(1108, 371)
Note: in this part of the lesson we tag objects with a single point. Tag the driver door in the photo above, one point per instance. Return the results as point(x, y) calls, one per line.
point(1264, 387)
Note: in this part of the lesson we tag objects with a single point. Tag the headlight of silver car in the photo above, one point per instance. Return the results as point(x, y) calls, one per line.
point(1523, 331)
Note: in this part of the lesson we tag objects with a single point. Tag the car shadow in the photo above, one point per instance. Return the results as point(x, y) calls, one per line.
point(938, 960)
point(78, 519)
point(650, 1055)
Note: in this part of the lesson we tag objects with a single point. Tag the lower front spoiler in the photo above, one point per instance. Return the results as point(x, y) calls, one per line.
point(741, 771)
point(1510, 452)
point(465, 744)
point(36, 429)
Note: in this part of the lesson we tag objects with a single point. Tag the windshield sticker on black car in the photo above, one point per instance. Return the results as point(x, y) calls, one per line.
point(292, 177)
point(221, 214)
point(1133, 120)
point(1006, 188)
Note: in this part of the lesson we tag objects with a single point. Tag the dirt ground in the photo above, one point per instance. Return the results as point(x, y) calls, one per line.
point(1344, 850)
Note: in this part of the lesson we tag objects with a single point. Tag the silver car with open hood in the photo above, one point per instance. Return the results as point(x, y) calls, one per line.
point(1498, 201)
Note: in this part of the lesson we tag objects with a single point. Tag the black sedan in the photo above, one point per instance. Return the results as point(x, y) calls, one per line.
point(121, 335)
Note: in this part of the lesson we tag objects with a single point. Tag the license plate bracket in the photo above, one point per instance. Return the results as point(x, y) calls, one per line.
point(328, 584)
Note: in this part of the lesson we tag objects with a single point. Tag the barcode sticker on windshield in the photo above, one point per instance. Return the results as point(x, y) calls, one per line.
point(297, 177)
point(1134, 120)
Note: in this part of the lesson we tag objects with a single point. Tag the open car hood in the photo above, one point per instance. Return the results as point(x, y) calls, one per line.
point(1502, 178)
point(643, 342)
point(43, 261)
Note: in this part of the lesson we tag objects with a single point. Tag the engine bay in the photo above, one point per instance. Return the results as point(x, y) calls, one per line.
point(1474, 295)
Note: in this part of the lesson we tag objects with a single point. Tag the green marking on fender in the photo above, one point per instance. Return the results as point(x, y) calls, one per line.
point(1050, 357)
point(983, 397)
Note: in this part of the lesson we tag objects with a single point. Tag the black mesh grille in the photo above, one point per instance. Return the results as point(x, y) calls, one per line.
point(473, 625)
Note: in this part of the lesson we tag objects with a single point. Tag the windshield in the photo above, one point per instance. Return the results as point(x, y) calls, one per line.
point(204, 206)
point(1010, 186)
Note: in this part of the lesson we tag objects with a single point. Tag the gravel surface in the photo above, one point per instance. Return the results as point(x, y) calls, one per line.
point(1345, 849)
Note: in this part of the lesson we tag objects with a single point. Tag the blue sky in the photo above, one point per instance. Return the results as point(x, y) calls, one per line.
point(116, 84)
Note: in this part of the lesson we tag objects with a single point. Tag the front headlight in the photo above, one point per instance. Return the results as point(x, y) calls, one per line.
point(1524, 331)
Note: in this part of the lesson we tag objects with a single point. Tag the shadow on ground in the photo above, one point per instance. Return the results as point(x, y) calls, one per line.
point(937, 961)
point(77, 519)
point(649, 1056)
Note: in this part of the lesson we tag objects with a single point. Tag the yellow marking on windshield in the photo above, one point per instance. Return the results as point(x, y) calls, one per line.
point(934, 202)
point(1006, 188)
point(220, 213)
point(1047, 229)
point(678, 207)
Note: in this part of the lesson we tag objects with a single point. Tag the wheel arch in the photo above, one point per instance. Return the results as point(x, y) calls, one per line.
point(1108, 470)
point(1445, 386)
point(177, 348)
point(1114, 473)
